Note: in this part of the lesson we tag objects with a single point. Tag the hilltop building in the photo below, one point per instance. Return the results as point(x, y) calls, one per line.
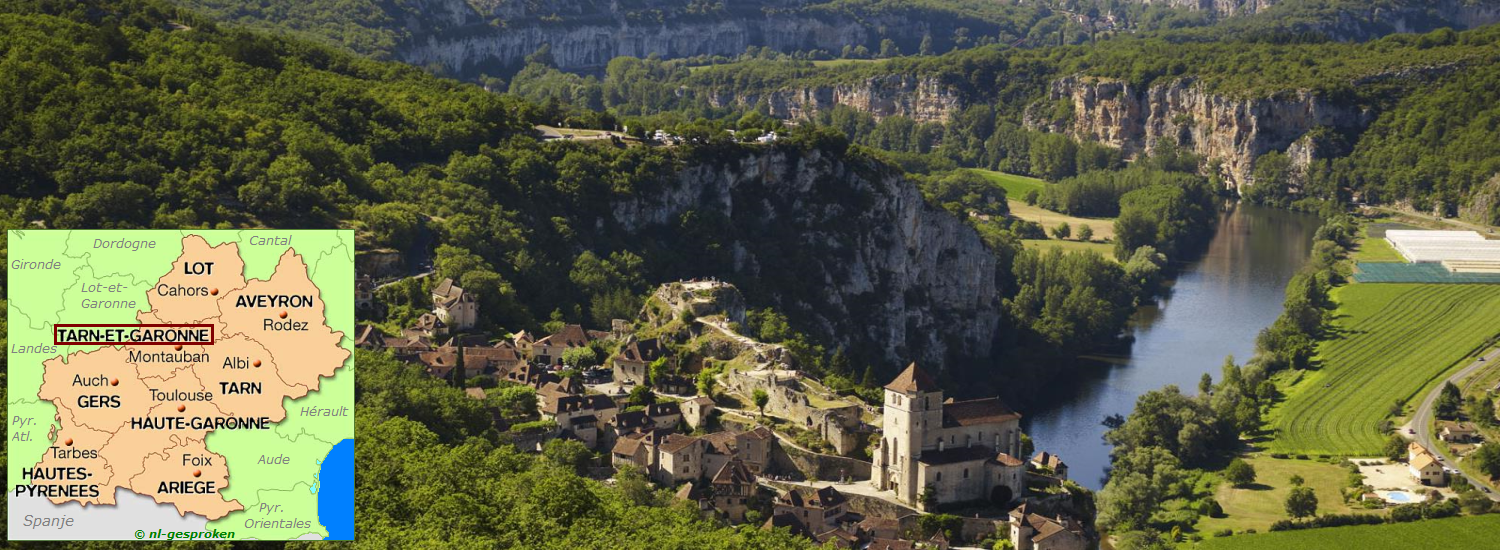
point(457, 309)
point(960, 450)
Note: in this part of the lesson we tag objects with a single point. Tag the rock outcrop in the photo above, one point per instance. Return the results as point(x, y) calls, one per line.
point(1232, 131)
point(847, 247)
point(923, 99)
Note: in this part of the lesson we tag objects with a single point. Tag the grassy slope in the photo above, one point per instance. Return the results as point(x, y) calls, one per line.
point(1462, 532)
point(1262, 503)
point(1104, 228)
point(1105, 249)
point(1015, 186)
point(1388, 343)
point(1377, 250)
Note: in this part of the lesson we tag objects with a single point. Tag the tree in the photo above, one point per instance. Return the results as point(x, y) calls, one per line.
point(926, 47)
point(640, 396)
point(581, 357)
point(568, 453)
point(1296, 480)
point(513, 401)
point(1448, 402)
point(1239, 473)
point(1062, 231)
point(1487, 459)
point(760, 398)
point(1085, 233)
point(1301, 502)
point(888, 48)
point(1395, 447)
point(1206, 384)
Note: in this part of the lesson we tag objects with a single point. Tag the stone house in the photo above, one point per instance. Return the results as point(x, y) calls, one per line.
point(753, 448)
point(733, 486)
point(1424, 466)
point(696, 410)
point(1458, 432)
point(440, 363)
point(491, 360)
point(522, 341)
point(961, 450)
point(368, 337)
point(821, 510)
point(666, 415)
point(679, 458)
point(632, 365)
point(1044, 459)
point(364, 293)
point(455, 307)
point(431, 326)
point(1030, 531)
point(549, 350)
point(580, 415)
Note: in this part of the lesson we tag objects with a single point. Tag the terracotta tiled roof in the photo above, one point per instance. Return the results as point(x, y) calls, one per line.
point(629, 444)
point(1423, 460)
point(476, 393)
point(761, 433)
point(734, 472)
point(788, 521)
point(665, 408)
point(701, 401)
point(571, 336)
point(976, 411)
point(643, 351)
point(720, 442)
point(1044, 458)
point(827, 497)
point(891, 544)
point(1008, 460)
point(913, 379)
point(677, 442)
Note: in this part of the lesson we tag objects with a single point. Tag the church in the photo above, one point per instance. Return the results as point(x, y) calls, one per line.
point(962, 450)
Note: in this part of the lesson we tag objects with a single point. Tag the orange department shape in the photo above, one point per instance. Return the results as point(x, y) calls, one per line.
point(301, 345)
point(169, 477)
point(183, 295)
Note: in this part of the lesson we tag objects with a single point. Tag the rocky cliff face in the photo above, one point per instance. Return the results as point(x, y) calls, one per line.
point(1218, 7)
point(847, 247)
point(918, 98)
point(1230, 130)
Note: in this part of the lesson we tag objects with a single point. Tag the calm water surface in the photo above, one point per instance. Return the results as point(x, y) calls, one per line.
point(1217, 305)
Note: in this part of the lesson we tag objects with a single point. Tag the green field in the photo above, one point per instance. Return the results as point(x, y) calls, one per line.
point(1377, 250)
point(1262, 503)
point(1015, 186)
point(1461, 532)
point(1105, 249)
point(1388, 342)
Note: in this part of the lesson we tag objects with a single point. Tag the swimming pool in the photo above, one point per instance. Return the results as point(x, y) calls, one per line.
point(1398, 496)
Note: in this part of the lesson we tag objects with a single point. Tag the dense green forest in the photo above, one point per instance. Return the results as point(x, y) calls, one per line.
point(144, 116)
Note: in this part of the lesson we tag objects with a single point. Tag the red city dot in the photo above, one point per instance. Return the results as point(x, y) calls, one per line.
point(283, 315)
point(181, 408)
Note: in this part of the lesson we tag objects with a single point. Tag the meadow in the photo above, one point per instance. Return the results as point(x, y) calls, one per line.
point(1104, 249)
point(1387, 343)
point(1460, 532)
point(1015, 186)
point(1258, 505)
point(1377, 250)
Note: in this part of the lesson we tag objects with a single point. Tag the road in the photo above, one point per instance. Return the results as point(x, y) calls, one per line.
point(1421, 421)
point(1482, 229)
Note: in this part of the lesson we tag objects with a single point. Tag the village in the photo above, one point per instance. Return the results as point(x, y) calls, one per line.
point(731, 425)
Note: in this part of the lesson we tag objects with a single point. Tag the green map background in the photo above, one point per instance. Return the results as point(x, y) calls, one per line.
point(40, 298)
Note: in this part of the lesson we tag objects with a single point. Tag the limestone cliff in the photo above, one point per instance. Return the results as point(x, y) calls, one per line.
point(846, 247)
point(923, 99)
point(1230, 130)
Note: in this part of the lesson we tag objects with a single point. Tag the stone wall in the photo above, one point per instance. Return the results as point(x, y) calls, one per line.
point(786, 458)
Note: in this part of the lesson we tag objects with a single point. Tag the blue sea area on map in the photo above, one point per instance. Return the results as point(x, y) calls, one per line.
point(336, 492)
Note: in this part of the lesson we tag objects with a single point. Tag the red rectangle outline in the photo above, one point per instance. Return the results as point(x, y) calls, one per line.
point(212, 334)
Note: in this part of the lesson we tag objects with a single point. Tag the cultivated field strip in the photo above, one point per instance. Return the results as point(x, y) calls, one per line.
point(1389, 342)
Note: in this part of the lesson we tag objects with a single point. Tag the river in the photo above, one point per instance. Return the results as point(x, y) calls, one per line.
point(1215, 307)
